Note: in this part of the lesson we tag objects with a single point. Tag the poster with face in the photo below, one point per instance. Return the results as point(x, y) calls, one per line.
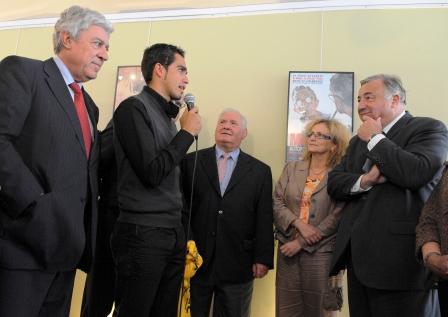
point(130, 82)
point(316, 95)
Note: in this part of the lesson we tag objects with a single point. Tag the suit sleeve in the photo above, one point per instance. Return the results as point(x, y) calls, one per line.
point(413, 165)
point(264, 247)
point(283, 216)
point(341, 180)
point(327, 227)
point(18, 186)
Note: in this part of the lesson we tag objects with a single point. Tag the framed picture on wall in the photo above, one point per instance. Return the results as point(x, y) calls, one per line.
point(316, 95)
point(129, 83)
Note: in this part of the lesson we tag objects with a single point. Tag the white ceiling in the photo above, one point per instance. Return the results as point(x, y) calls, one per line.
point(28, 13)
point(27, 9)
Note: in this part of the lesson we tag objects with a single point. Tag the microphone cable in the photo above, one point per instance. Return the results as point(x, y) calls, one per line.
point(187, 234)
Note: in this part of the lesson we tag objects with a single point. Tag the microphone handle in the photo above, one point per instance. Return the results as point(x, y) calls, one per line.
point(190, 106)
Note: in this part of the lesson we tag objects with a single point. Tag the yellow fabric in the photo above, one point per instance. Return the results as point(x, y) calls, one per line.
point(193, 262)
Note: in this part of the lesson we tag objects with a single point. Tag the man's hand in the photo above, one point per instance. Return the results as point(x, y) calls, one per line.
point(369, 127)
point(439, 265)
point(259, 270)
point(190, 121)
point(291, 248)
point(310, 233)
point(372, 178)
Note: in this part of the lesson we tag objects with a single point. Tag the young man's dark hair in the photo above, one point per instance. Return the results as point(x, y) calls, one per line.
point(158, 53)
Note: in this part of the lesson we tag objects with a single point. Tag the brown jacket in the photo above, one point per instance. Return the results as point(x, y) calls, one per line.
point(324, 212)
point(433, 223)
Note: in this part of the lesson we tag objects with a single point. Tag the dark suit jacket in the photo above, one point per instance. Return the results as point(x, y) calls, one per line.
point(236, 228)
point(379, 224)
point(48, 187)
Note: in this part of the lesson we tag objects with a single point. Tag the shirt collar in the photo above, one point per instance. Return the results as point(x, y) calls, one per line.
point(391, 124)
point(68, 78)
point(168, 107)
point(234, 154)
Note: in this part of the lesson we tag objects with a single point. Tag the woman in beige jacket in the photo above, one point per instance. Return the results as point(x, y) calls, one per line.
point(306, 220)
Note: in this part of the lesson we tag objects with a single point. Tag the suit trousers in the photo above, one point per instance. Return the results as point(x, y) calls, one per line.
point(98, 296)
point(35, 293)
point(149, 263)
point(443, 298)
point(302, 285)
point(365, 301)
point(229, 300)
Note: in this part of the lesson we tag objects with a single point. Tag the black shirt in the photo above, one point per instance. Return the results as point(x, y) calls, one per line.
point(146, 178)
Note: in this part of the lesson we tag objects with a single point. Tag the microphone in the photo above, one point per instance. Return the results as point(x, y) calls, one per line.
point(189, 99)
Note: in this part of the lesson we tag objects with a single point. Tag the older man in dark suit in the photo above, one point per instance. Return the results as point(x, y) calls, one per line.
point(390, 168)
point(231, 220)
point(48, 159)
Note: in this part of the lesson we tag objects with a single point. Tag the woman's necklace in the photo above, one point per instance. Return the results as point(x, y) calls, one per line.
point(316, 174)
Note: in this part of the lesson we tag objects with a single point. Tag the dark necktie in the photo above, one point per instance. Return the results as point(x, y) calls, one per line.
point(82, 116)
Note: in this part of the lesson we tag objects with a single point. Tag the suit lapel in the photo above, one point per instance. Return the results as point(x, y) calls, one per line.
point(300, 174)
point(91, 111)
point(208, 161)
point(396, 128)
point(57, 86)
point(322, 184)
point(302, 171)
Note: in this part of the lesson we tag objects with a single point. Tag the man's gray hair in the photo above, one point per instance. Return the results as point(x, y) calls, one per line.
point(392, 85)
point(243, 118)
point(76, 19)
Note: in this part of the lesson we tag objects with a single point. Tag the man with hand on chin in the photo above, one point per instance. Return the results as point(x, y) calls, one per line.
point(148, 242)
point(388, 172)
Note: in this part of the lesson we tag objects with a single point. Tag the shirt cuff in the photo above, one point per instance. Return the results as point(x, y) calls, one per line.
point(374, 141)
point(357, 187)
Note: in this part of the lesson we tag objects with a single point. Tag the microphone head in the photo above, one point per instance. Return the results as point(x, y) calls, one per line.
point(189, 99)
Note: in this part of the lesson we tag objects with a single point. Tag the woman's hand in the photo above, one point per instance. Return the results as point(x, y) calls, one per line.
point(438, 264)
point(310, 233)
point(290, 248)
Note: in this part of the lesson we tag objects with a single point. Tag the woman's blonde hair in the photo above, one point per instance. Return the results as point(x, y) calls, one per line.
point(340, 137)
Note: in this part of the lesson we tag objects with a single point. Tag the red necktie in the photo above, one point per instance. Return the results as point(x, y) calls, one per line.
point(82, 116)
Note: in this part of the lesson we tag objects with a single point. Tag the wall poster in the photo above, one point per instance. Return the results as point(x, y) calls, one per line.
point(129, 83)
point(316, 95)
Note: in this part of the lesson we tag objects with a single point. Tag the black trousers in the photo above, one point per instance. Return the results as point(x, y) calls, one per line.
point(98, 296)
point(35, 293)
point(443, 298)
point(149, 264)
point(370, 302)
point(229, 300)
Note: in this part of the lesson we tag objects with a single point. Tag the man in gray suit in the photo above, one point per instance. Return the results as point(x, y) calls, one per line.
point(388, 172)
point(48, 166)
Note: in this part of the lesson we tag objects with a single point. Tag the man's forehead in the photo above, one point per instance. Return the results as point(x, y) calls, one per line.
point(234, 116)
point(372, 85)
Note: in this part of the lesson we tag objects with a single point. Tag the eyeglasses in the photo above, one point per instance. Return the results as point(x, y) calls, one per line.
point(319, 135)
